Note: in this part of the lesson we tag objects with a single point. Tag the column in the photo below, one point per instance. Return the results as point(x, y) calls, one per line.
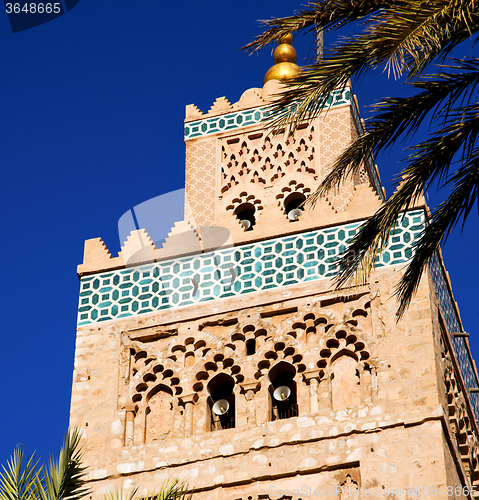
point(129, 424)
point(249, 390)
point(189, 401)
point(312, 379)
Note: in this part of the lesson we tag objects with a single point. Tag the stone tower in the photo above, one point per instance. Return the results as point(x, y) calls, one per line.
point(227, 357)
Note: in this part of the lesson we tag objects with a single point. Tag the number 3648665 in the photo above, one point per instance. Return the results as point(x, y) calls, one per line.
point(33, 8)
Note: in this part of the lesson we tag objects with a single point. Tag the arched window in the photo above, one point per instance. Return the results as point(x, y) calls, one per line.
point(345, 389)
point(245, 213)
point(159, 413)
point(293, 205)
point(221, 402)
point(284, 402)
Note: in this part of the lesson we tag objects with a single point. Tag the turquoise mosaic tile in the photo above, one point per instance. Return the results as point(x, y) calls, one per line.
point(231, 121)
point(453, 325)
point(227, 272)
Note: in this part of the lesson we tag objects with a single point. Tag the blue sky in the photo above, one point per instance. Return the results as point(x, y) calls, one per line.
point(91, 121)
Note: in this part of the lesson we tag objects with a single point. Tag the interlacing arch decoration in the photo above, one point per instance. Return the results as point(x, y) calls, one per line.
point(251, 345)
point(274, 350)
point(343, 340)
point(193, 348)
point(244, 197)
point(263, 159)
point(147, 372)
point(292, 191)
point(245, 206)
point(216, 363)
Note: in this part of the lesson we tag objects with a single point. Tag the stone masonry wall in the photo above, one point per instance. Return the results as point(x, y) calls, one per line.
point(140, 394)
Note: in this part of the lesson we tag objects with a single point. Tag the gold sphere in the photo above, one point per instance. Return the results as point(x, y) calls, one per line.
point(284, 53)
point(282, 71)
point(288, 38)
point(284, 58)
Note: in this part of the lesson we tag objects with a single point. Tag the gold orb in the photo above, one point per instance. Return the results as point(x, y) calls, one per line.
point(284, 53)
point(286, 39)
point(282, 71)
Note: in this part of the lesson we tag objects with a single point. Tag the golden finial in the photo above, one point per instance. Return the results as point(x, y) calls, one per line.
point(284, 58)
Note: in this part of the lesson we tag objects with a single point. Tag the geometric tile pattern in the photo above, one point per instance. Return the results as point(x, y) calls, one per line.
point(227, 272)
point(231, 121)
point(200, 182)
point(452, 322)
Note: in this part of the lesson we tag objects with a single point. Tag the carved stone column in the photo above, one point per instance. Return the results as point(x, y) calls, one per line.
point(249, 390)
point(189, 400)
point(312, 379)
point(129, 425)
point(324, 393)
point(302, 392)
point(140, 426)
point(374, 384)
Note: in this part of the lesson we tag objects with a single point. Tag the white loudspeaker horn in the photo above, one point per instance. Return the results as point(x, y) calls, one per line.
point(294, 214)
point(282, 393)
point(221, 407)
point(246, 223)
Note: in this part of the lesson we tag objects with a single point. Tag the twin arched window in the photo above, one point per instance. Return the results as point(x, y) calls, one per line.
point(282, 397)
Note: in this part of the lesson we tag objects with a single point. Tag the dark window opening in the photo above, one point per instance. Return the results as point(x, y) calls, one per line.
point(250, 347)
point(221, 402)
point(284, 403)
point(245, 213)
point(293, 206)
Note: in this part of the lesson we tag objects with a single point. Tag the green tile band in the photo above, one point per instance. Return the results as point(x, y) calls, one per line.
point(231, 121)
point(274, 263)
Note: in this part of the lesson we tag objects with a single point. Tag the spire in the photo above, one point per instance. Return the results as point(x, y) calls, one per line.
point(284, 58)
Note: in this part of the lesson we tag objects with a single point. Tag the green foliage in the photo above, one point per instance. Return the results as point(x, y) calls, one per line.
point(65, 479)
point(412, 39)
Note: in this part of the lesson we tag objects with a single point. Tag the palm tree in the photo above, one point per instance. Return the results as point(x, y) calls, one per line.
point(412, 39)
point(64, 479)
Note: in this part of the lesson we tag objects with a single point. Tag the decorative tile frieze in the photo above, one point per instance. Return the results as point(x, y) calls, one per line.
point(228, 272)
point(247, 117)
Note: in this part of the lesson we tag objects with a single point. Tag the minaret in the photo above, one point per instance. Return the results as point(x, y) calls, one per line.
point(228, 357)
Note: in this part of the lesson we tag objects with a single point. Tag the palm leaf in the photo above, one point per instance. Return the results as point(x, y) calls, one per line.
point(170, 490)
point(18, 481)
point(65, 479)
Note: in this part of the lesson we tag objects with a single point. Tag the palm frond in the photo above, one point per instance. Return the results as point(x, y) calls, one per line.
point(398, 118)
point(431, 161)
point(406, 36)
point(173, 490)
point(18, 480)
point(457, 207)
point(414, 33)
point(119, 494)
point(329, 14)
point(170, 490)
point(65, 479)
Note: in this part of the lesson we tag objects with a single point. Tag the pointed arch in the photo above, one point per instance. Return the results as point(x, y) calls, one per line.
point(159, 414)
point(345, 383)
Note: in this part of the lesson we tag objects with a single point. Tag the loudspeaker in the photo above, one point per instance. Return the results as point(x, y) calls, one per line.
point(221, 407)
point(294, 214)
point(282, 393)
